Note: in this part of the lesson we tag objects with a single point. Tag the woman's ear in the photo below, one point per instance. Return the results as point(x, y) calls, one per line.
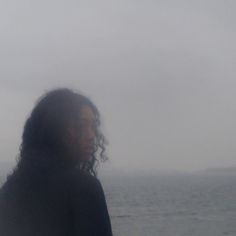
point(71, 129)
point(69, 134)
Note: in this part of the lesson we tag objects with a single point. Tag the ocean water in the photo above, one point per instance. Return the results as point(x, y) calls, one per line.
point(174, 205)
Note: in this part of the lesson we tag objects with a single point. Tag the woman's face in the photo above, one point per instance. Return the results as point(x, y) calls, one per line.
point(82, 135)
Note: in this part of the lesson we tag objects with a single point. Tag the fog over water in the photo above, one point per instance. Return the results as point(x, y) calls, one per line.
point(162, 74)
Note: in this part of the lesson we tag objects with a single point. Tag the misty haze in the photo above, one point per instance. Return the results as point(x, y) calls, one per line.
point(163, 76)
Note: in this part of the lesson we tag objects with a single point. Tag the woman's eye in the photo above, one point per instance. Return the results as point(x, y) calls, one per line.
point(84, 126)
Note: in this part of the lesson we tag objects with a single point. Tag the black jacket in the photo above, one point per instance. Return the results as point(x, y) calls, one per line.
point(64, 203)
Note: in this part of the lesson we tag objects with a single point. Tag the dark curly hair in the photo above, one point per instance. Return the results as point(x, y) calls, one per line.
point(42, 144)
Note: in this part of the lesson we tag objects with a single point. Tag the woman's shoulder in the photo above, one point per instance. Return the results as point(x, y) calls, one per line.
point(80, 176)
point(78, 180)
point(86, 199)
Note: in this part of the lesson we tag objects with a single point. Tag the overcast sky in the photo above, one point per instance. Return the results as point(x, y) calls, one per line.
point(162, 74)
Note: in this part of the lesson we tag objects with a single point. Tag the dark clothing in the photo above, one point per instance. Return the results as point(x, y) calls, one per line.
point(65, 203)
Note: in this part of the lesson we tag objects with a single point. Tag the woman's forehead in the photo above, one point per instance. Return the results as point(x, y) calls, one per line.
point(86, 113)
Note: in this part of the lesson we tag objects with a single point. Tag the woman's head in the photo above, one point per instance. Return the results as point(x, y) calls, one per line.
point(63, 124)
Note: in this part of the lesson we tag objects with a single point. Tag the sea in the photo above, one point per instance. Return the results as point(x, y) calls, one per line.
point(171, 204)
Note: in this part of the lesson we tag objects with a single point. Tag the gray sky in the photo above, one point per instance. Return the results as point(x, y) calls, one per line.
point(161, 72)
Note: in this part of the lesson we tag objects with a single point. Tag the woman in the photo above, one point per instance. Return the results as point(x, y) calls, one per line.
point(54, 189)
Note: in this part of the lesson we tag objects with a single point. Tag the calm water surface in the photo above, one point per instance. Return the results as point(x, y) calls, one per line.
point(178, 205)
